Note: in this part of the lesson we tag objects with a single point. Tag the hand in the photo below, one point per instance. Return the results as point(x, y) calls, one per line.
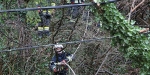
point(63, 62)
point(55, 70)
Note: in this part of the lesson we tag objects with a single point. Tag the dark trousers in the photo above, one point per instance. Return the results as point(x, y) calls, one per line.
point(75, 12)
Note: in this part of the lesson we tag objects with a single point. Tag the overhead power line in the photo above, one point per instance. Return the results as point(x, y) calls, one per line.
point(31, 47)
point(55, 7)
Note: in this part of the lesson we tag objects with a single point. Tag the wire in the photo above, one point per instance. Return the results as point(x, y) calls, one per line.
point(70, 69)
point(55, 7)
point(25, 48)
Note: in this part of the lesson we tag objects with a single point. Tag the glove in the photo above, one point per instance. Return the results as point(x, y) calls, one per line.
point(70, 57)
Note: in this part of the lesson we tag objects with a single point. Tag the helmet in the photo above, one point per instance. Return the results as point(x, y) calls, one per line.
point(58, 46)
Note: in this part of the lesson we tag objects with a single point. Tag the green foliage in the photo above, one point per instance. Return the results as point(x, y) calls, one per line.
point(32, 18)
point(133, 44)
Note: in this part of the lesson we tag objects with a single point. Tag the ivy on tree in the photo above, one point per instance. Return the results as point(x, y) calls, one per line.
point(132, 44)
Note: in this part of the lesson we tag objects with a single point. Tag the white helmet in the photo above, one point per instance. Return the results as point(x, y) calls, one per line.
point(58, 46)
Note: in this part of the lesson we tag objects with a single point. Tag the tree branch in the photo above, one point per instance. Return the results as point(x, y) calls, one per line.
point(137, 5)
point(132, 9)
point(103, 61)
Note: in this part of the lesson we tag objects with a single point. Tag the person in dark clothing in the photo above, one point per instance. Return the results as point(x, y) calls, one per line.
point(57, 63)
point(45, 17)
point(74, 11)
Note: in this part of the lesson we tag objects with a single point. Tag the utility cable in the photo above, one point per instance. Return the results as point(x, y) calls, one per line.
point(38, 46)
point(71, 69)
point(56, 7)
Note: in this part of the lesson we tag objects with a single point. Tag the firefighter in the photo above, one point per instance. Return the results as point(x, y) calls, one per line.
point(45, 16)
point(57, 63)
point(46, 22)
point(74, 11)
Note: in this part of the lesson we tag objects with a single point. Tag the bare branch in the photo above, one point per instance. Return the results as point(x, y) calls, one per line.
point(132, 9)
point(103, 61)
point(137, 5)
